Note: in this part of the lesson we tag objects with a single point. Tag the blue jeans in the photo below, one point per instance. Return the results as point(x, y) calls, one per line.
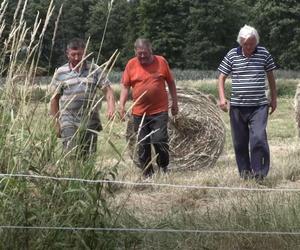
point(248, 127)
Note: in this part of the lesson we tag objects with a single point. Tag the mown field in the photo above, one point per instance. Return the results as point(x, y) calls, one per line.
point(68, 214)
point(256, 214)
point(30, 147)
point(52, 200)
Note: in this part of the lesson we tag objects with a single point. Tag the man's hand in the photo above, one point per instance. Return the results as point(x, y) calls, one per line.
point(123, 100)
point(110, 115)
point(273, 106)
point(57, 128)
point(174, 109)
point(122, 113)
point(223, 104)
point(110, 99)
point(54, 112)
point(273, 92)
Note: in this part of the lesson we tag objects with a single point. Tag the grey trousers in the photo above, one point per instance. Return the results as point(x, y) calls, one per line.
point(83, 141)
point(248, 127)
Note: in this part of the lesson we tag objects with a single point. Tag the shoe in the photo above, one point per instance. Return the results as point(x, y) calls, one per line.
point(147, 173)
point(246, 175)
point(259, 178)
point(165, 170)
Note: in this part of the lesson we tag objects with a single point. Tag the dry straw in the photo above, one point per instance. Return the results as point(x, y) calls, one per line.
point(297, 108)
point(197, 133)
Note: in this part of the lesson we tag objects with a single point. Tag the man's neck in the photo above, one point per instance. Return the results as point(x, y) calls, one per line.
point(149, 62)
point(247, 54)
point(77, 67)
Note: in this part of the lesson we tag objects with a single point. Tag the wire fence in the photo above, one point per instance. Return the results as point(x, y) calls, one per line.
point(150, 230)
point(147, 183)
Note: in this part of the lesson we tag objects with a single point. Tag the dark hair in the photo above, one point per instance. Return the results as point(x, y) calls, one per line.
point(76, 43)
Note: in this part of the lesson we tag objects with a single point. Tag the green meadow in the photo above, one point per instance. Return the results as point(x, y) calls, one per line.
point(64, 209)
point(52, 200)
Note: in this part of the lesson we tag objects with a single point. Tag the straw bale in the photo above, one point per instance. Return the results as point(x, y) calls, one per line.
point(196, 135)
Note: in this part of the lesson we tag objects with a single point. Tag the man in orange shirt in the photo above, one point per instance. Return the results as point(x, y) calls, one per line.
point(147, 74)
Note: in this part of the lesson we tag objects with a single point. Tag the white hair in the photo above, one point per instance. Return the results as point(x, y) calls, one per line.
point(247, 31)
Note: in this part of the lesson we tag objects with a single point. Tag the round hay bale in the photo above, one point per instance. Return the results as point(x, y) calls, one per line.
point(297, 108)
point(196, 134)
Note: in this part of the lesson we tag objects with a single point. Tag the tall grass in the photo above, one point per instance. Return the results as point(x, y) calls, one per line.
point(28, 145)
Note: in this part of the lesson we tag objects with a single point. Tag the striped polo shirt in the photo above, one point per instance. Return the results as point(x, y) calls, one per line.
point(78, 103)
point(248, 75)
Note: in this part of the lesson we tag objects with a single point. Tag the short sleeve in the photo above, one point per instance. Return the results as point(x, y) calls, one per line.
point(225, 66)
point(126, 80)
point(270, 65)
point(56, 85)
point(103, 80)
point(101, 77)
point(168, 74)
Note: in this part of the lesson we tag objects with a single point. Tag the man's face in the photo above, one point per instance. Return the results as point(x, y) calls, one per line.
point(75, 56)
point(249, 45)
point(144, 55)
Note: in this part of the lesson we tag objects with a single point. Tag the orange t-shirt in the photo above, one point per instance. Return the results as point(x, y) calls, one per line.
point(148, 85)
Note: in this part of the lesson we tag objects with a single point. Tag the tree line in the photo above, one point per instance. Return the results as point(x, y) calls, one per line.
point(190, 34)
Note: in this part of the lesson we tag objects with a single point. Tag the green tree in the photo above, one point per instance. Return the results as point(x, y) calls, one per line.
point(278, 26)
point(132, 31)
point(39, 8)
point(164, 23)
point(73, 23)
point(190, 34)
point(213, 27)
point(115, 34)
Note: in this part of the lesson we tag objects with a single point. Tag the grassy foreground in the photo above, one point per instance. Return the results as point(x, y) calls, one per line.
point(223, 210)
point(28, 146)
point(48, 213)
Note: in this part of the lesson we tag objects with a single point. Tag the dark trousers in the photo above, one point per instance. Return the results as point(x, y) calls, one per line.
point(152, 129)
point(248, 126)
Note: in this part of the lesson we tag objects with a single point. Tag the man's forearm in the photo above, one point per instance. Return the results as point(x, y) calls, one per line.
point(110, 98)
point(123, 96)
point(54, 112)
point(221, 87)
point(54, 107)
point(173, 92)
point(123, 100)
point(272, 85)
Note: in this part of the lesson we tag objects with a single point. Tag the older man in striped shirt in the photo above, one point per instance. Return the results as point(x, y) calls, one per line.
point(248, 65)
point(74, 104)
